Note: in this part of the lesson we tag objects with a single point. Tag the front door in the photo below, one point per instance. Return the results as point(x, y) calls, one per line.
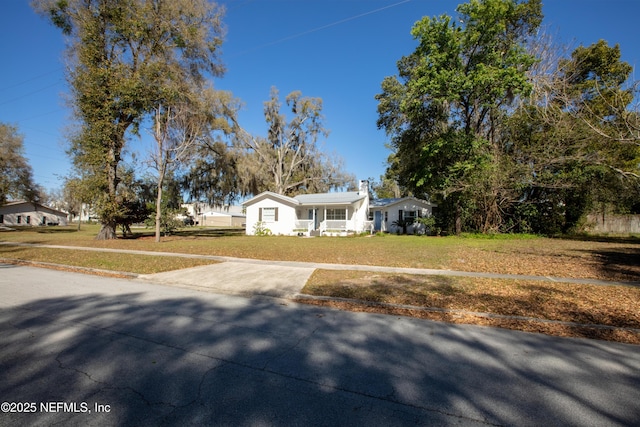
point(313, 215)
point(377, 220)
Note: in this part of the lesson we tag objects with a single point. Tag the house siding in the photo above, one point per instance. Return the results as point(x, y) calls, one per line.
point(391, 213)
point(285, 216)
point(361, 215)
point(29, 214)
point(299, 212)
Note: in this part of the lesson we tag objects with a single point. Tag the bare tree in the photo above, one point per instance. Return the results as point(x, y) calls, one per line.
point(176, 132)
point(288, 160)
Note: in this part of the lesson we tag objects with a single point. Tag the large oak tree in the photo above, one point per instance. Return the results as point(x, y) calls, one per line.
point(444, 108)
point(126, 58)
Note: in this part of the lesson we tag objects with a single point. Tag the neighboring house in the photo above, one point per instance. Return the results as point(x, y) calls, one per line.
point(221, 219)
point(310, 214)
point(386, 212)
point(86, 213)
point(335, 214)
point(208, 216)
point(24, 213)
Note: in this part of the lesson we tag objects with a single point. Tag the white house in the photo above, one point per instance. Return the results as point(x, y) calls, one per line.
point(24, 213)
point(334, 214)
point(386, 212)
point(310, 214)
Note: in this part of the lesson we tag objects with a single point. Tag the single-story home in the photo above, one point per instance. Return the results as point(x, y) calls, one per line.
point(23, 213)
point(220, 219)
point(386, 213)
point(215, 216)
point(333, 214)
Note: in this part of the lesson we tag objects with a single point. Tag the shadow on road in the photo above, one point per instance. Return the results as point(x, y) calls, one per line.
point(256, 362)
point(620, 262)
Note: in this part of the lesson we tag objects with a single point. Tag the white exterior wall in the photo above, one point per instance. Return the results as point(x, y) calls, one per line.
point(392, 213)
point(286, 217)
point(216, 219)
point(360, 215)
point(36, 216)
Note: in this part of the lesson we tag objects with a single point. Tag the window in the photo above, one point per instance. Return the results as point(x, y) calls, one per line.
point(336, 214)
point(268, 214)
point(19, 219)
point(28, 219)
point(410, 215)
point(370, 216)
point(1, 219)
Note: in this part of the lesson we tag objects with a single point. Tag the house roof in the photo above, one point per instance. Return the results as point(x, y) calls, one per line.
point(36, 205)
point(15, 202)
point(225, 214)
point(272, 195)
point(381, 203)
point(343, 198)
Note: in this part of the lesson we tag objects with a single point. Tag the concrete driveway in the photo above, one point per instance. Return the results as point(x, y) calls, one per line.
point(238, 278)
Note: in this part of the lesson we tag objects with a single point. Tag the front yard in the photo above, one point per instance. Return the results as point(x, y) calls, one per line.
point(607, 259)
point(447, 298)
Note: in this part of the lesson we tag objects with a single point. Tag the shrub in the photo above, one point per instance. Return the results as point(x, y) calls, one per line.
point(260, 229)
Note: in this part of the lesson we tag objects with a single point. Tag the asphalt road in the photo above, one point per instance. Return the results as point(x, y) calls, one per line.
point(86, 350)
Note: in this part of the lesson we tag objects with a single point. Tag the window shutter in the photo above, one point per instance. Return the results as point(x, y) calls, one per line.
point(259, 214)
point(276, 215)
point(400, 216)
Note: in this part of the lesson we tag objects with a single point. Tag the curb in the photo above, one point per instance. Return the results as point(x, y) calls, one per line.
point(301, 297)
point(66, 267)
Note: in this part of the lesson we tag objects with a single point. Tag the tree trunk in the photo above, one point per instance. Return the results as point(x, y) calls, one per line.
point(458, 219)
point(159, 202)
point(109, 223)
point(158, 213)
point(107, 231)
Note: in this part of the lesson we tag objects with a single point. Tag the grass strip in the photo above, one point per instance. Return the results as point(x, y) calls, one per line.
point(563, 309)
point(139, 264)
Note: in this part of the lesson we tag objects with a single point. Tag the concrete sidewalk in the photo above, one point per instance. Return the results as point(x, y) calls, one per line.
point(245, 276)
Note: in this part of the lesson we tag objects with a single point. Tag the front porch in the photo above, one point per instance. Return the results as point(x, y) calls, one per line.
point(330, 221)
point(330, 227)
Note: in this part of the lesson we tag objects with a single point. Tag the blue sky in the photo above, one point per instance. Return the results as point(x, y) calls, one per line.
point(338, 50)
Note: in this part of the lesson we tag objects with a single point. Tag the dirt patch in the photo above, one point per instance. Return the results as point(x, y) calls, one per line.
point(536, 326)
point(563, 309)
point(561, 259)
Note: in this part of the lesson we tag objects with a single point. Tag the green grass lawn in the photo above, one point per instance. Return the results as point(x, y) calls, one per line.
point(612, 259)
point(139, 264)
